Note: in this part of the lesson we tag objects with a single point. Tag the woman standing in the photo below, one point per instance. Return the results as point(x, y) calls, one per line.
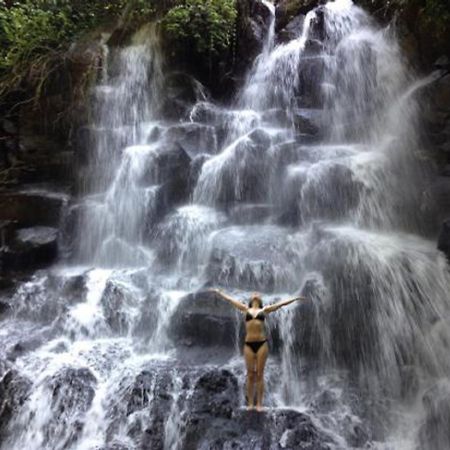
point(256, 348)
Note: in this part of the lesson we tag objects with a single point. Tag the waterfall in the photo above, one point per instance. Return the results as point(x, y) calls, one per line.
point(307, 182)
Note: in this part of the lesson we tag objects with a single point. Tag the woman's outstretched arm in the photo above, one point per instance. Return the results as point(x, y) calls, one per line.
point(237, 304)
point(275, 306)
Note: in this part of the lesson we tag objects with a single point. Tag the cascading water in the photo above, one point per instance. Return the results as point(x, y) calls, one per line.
point(312, 190)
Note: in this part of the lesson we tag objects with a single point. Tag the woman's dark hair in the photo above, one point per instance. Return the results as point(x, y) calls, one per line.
point(255, 298)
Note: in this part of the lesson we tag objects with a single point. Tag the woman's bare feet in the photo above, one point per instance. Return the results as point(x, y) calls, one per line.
point(250, 407)
point(259, 408)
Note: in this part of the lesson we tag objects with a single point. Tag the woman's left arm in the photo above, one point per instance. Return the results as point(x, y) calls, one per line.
point(271, 308)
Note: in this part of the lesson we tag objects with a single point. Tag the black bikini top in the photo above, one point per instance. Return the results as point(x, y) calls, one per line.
point(260, 316)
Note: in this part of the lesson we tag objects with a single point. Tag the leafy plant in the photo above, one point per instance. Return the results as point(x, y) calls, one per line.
point(205, 25)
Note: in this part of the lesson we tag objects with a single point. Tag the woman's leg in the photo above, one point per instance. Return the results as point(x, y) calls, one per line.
point(250, 362)
point(261, 358)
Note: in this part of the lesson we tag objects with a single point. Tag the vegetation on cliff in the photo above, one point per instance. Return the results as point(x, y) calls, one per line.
point(34, 34)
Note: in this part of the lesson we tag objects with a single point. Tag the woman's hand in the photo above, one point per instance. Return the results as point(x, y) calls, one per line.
point(215, 291)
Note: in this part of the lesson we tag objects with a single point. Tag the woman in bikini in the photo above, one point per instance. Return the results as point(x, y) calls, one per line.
point(256, 348)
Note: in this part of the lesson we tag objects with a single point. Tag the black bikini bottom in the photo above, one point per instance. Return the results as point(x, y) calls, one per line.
point(256, 345)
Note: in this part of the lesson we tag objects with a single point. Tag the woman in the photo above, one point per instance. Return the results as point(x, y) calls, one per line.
point(256, 348)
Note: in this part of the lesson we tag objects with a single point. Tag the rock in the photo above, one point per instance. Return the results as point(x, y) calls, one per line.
point(442, 63)
point(31, 208)
point(441, 93)
point(71, 394)
point(194, 138)
point(182, 238)
point(309, 90)
point(203, 319)
point(181, 92)
point(307, 121)
point(14, 390)
point(196, 168)
point(32, 248)
point(288, 10)
point(278, 429)
point(252, 258)
point(240, 174)
point(169, 167)
point(322, 191)
point(252, 27)
point(47, 297)
point(444, 239)
point(120, 307)
point(248, 214)
point(292, 30)
point(437, 197)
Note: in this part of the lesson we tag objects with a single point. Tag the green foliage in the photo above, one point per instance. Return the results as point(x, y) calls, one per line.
point(206, 25)
point(33, 32)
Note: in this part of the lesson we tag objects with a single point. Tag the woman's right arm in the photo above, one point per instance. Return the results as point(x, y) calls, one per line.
point(237, 304)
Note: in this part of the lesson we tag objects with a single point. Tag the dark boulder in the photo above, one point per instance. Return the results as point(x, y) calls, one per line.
point(292, 30)
point(181, 91)
point(170, 168)
point(309, 90)
point(307, 121)
point(46, 297)
point(195, 138)
point(444, 239)
point(249, 214)
point(252, 27)
point(278, 429)
point(203, 319)
point(14, 390)
point(120, 306)
point(287, 10)
point(71, 392)
point(32, 248)
point(31, 208)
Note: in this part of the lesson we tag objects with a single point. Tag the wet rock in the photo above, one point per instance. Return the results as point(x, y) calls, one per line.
point(292, 30)
point(434, 434)
point(437, 196)
point(307, 121)
point(203, 319)
point(71, 394)
point(195, 169)
point(309, 90)
point(444, 239)
point(278, 429)
point(14, 389)
point(240, 175)
point(288, 10)
point(250, 213)
point(32, 248)
point(147, 317)
point(194, 138)
point(120, 307)
point(31, 208)
point(181, 92)
point(89, 138)
point(251, 258)
point(46, 297)
point(252, 28)
point(325, 191)
point(170, 169)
